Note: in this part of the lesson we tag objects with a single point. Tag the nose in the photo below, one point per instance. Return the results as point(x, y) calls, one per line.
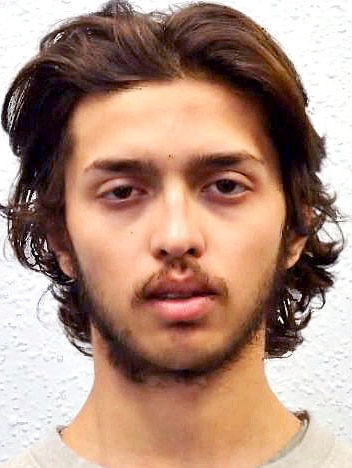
point(177, 231)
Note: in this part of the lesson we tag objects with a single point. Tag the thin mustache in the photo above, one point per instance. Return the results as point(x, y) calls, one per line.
point(217, 284)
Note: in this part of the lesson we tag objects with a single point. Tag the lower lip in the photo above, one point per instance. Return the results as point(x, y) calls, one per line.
point(184, 310)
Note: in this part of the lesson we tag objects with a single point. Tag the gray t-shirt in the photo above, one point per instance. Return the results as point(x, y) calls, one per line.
point(312, 447)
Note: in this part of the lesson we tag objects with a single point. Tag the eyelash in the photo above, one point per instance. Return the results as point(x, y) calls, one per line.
point(109, 194)
point(236, 185)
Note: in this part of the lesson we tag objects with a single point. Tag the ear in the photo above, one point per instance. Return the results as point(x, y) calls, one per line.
point(297, 241)
point(62, 254)
point(295, 248)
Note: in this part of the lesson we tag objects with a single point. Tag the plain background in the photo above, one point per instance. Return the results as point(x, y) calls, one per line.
point(43, 380)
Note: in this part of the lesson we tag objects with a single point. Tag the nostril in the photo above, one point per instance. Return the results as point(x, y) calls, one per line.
point(162, 254)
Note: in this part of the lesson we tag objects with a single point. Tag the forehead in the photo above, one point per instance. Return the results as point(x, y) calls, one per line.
point(177, 118)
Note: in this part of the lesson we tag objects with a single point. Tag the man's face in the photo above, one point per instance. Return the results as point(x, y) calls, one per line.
point(175, 211)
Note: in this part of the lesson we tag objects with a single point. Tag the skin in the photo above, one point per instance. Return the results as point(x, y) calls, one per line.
point(175, 213)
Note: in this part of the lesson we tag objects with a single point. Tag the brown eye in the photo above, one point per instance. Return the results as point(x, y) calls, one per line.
point(227, 187)
point(122, 192)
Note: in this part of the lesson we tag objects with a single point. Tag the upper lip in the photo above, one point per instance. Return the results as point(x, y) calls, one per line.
point(189, 287)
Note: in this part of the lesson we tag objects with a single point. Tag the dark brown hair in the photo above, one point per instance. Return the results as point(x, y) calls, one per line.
point(118, 47)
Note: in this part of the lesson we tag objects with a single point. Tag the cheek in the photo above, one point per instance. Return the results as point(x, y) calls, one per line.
point(108, 267)
point(103, 253)
point(105, 256)
point(250, 248)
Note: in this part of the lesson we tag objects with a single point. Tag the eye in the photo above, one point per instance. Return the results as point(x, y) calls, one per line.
point(123, 193)
point(226, 187)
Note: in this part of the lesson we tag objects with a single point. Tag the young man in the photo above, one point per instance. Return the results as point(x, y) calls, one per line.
point(168, 187)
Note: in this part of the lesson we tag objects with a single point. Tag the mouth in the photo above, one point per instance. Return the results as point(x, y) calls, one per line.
point(183, 308)
point(174, 300)
point(179, 296)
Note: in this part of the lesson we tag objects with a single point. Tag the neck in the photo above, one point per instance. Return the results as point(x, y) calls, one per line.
point(232, 416)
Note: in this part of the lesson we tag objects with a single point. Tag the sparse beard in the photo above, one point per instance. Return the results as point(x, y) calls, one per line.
point(123, 354)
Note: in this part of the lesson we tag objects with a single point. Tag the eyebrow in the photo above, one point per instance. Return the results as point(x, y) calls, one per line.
point(126, 165)
point(199, 163)
point(203, 162)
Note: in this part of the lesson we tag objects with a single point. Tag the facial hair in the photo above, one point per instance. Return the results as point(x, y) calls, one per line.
point(124, 356)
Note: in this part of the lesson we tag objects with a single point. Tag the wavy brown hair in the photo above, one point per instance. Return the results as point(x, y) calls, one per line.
point(117, 48)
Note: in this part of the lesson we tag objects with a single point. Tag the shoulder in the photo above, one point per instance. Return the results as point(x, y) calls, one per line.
point(33, 456)
point(49, 452)
point(24, 460)
point(43, 453)
point(323, 448)
point(336, 452)
point(340, 455)
point(318, 448)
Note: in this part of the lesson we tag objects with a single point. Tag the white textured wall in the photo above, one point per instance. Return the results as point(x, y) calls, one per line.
point(43, 380)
